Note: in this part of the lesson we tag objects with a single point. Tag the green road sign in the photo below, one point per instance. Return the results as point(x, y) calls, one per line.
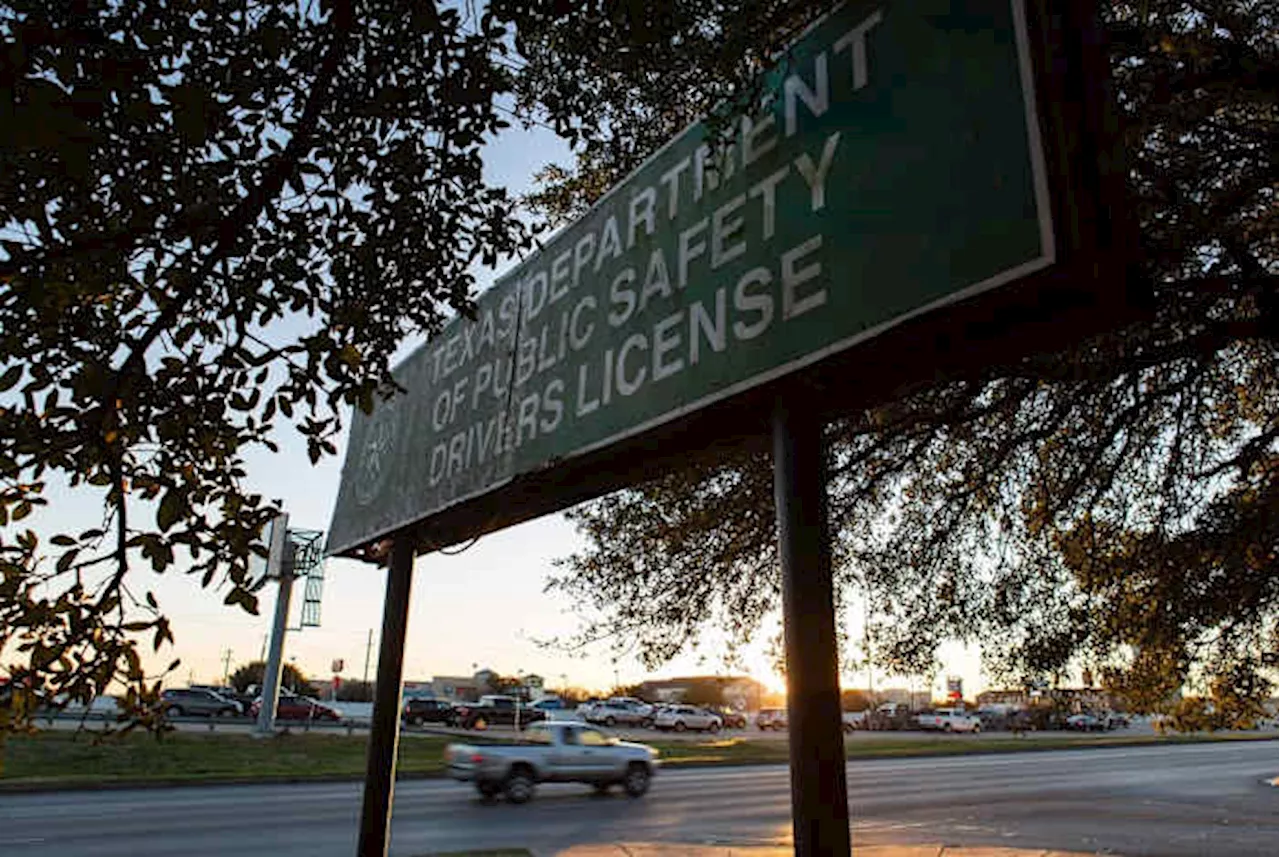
point(897, 170)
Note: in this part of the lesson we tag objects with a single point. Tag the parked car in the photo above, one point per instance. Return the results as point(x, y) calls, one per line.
point(497, 710)
point(852, 720)
point(1116, 720)
point(1087, 723)
point(731, 717)
point(188, 702)
point(683, 717)
point(629, 700)
point(626, 712)
point(290, 707)
point(32, 699)
point(549, 704)
point(419, 711)
point(949, 720)
point(772, 718)
point(553, 752)
point(890, 716)
point(244, 700)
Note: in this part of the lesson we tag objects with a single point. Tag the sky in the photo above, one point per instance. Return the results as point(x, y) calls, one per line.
point(482, 608)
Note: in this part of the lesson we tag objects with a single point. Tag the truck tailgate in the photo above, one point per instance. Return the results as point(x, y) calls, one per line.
point(463, 760)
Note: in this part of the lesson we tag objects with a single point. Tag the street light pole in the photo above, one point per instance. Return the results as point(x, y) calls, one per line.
point(368, 649)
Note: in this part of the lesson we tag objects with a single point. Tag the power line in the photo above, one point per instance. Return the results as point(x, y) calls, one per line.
point(528, 119)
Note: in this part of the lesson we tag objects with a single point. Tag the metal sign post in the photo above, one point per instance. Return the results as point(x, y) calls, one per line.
point(819, 794)
point(278, 565)
point(384, 734)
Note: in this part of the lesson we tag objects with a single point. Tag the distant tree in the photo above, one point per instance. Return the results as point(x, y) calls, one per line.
point(632, 690)
point(250, 675)
point(856, 700)
point(573, 695)
point(355, 691)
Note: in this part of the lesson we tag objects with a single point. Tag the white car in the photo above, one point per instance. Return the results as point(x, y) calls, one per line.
point(683, 717)
point(624, 712)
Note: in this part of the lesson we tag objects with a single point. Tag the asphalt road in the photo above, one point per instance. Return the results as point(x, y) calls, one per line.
point(1208, 799)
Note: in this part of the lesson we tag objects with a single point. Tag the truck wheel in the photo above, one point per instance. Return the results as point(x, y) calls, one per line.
point(637, 780)
point(680, 727)
point(610, 721)
point(714, 727)
point(977, 728)
point(174, 711)
point(946, 727)
point(519, 786)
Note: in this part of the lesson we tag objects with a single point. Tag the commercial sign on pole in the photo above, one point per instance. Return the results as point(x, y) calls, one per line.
point(898, 170)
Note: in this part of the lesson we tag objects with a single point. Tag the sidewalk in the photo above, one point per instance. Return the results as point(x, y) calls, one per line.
point(642, 849)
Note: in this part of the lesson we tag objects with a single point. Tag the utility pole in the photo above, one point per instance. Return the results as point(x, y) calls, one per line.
point(368, 649)
point(226, 667)
point(866, 633)
point(519, 694)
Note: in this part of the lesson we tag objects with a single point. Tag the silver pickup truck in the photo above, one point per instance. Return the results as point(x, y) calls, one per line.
point(553, 752)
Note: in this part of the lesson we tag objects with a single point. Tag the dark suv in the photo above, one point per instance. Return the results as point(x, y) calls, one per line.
point(201, 703)
point(419, 711)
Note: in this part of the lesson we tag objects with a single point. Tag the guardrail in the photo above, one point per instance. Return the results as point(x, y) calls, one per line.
point(237, 722)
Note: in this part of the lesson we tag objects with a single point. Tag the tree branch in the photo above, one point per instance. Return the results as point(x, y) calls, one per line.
point(248, 209)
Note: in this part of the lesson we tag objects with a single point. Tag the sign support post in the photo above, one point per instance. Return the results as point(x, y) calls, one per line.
point(384, 734)
point(279, 564)
point(819, 793)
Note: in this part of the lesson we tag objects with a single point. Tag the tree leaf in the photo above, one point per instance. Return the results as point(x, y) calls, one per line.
point(11, 377)
point(172, 507)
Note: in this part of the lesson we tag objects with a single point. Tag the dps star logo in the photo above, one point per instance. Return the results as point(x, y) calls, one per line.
point(377, 452)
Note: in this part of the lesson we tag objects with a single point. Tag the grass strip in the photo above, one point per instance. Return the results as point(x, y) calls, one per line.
point(75, 758)
point(740, 751)
point(51, 760)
